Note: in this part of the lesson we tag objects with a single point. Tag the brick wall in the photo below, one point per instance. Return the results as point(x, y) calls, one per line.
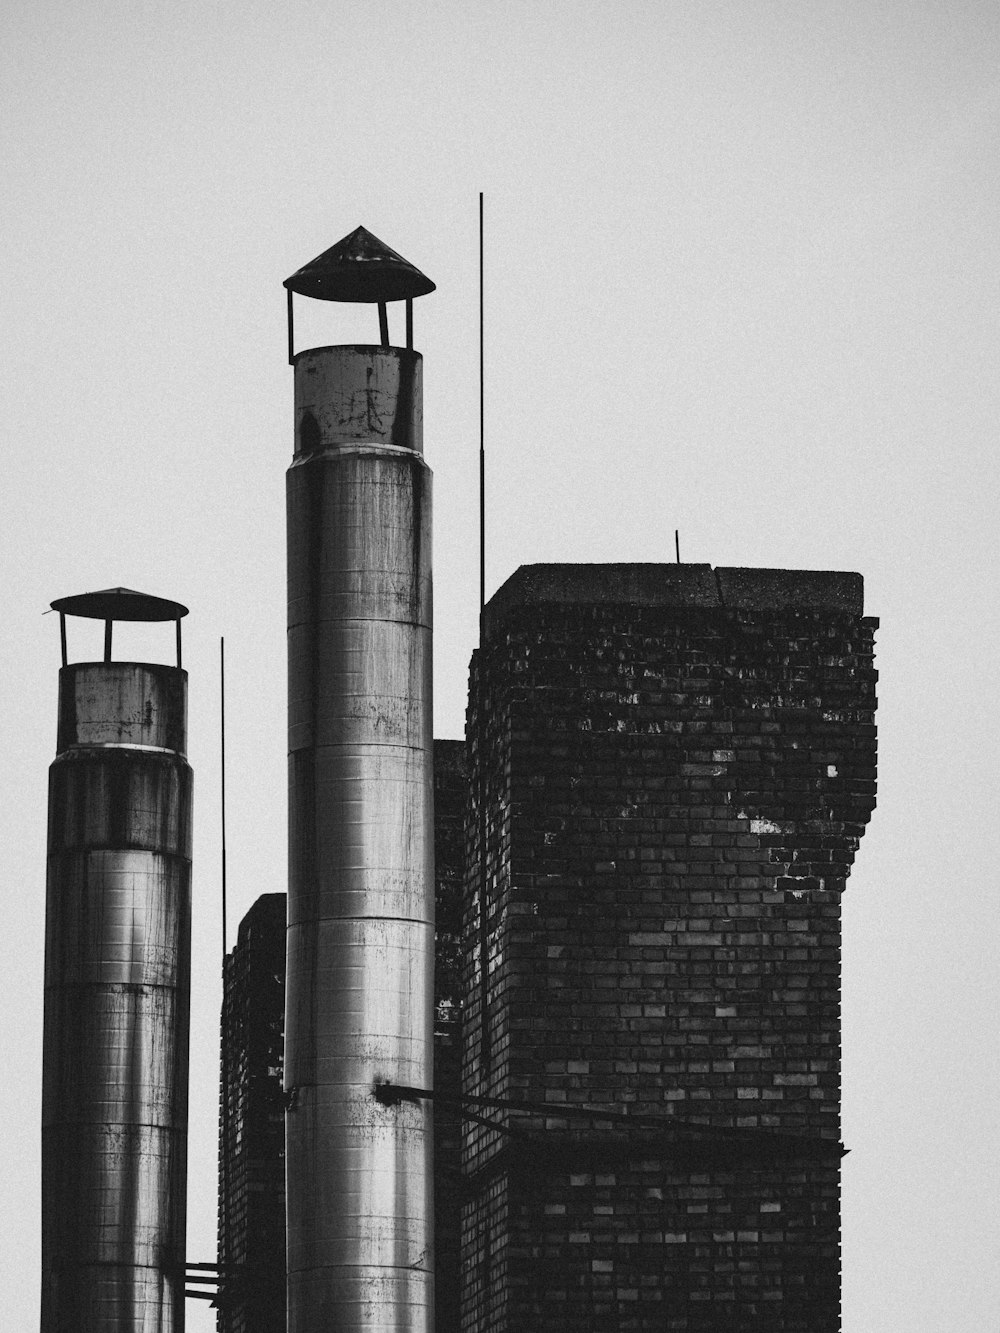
point(450, 796)
point(252, 1126)
point(673, 767)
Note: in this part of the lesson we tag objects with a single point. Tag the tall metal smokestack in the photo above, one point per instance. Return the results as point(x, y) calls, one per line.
point(117, 983)
point(361, 888)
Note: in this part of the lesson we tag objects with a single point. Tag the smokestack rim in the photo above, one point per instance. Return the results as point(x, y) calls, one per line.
point(392, 350)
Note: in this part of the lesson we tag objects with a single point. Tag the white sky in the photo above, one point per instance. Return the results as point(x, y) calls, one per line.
point(742, 280)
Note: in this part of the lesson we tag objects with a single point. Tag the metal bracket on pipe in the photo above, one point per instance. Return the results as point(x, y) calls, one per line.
point(391, 1094)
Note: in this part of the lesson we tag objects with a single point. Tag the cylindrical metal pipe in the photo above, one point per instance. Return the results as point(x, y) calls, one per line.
point(117, 983)
point(359, 981)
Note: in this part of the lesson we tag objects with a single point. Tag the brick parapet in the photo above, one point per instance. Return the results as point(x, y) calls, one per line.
point(676, 586)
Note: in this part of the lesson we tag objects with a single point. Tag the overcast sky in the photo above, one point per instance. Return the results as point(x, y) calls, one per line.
point(742, 280)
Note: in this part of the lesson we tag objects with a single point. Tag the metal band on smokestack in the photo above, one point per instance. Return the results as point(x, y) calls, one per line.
point(359, 984)
point(117, 983)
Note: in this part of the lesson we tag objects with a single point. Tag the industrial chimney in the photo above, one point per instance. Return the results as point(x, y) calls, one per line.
point(117, 982)
point(361, 884)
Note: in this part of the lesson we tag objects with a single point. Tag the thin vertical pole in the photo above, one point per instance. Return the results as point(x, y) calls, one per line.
point(482, 437)
point(107, 640)
point(62, 637)
point(291, 331)
point(409, 323)
point(484, 933)
point(677, 544)
point(222, 781)
point(180, 660)
point(383, 323)
point(225, 1219)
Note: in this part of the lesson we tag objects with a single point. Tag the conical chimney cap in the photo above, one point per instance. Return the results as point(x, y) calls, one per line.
point(119, 604)
point(359, 268)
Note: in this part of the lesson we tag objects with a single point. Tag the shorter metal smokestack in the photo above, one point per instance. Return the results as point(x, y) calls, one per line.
point(117, 983)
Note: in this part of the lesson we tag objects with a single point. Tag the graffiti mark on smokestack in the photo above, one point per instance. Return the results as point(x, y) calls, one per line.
point(361, 883)
point(117, 982)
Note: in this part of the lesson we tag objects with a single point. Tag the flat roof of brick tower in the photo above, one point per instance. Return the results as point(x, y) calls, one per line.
point(678, 586)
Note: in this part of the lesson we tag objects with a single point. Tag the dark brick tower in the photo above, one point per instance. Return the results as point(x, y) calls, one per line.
point(676, 765)
point(252, 1126)
point(450, 799)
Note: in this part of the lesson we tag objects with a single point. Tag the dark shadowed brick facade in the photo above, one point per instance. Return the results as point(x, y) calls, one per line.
point(450, 797)
point(252, 1129)
point(677, 765)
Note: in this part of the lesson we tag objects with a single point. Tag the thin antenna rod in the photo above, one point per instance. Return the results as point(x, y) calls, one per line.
point(222, 782)
point(677, 544)
point(482, 437)
point(225, 1219)
point(484, 930)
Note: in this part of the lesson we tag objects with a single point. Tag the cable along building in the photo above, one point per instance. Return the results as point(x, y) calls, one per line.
point(671, 768)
